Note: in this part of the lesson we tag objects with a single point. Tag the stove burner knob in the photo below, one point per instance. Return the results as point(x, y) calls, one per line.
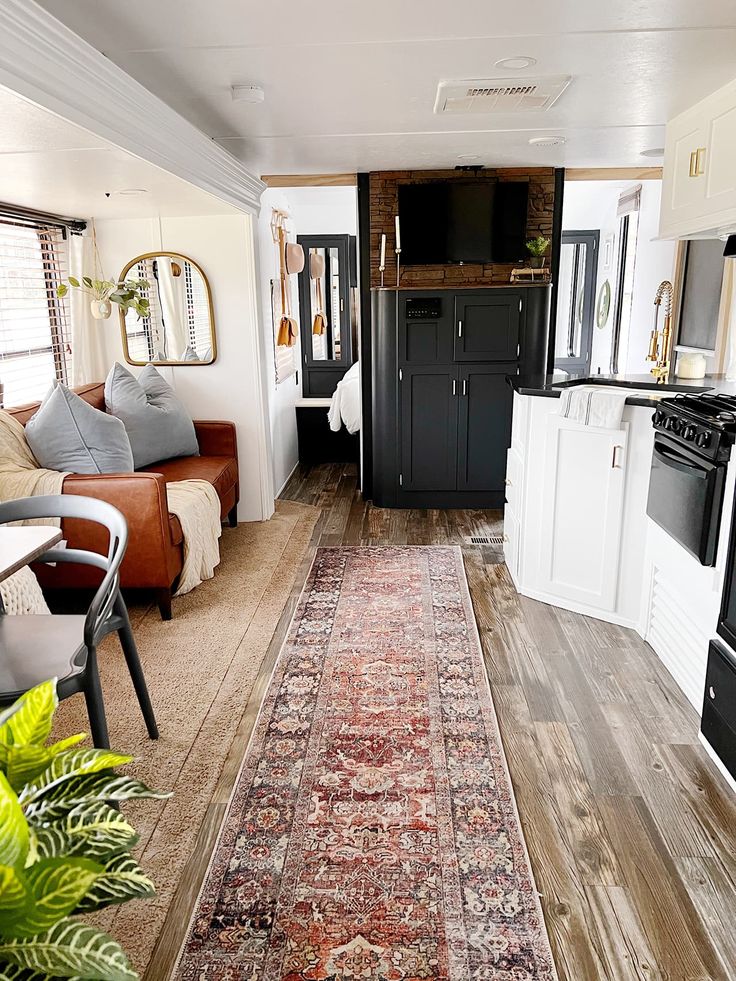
point(689, 433)
point(702, 439)
point(658, 417)
point(672, 423)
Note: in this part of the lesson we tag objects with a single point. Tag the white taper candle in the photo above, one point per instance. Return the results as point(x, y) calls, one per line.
point(382, 263)
point(398, 234)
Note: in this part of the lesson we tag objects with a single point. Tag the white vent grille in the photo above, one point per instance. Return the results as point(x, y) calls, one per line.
point(500, 95)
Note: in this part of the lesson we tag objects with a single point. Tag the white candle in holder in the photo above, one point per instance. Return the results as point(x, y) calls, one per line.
point(398, 235)
point(382, 263)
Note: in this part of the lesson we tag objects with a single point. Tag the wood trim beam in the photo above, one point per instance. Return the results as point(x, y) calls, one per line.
point(310, 180)
point(613, 174)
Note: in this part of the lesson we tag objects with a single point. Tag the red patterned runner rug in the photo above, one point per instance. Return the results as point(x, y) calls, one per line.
point(372, 834)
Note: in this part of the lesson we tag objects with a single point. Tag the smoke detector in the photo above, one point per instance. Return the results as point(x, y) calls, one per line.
point(247, 93)
point(497, 95)
point(543, 141)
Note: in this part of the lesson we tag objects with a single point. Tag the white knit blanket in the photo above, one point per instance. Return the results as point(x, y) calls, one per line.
point(194, 502)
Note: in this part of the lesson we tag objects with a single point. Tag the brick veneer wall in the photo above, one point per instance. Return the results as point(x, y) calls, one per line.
point(384, 206)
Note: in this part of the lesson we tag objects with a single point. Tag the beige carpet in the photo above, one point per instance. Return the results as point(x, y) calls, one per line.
point(200, 668)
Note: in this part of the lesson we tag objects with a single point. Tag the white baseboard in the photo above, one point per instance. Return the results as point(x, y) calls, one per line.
point(291, 474)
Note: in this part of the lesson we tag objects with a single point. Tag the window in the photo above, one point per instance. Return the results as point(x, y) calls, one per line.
point(34, 324)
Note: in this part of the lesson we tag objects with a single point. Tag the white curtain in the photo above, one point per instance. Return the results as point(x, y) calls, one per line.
point(171, 289)
point(90, 362)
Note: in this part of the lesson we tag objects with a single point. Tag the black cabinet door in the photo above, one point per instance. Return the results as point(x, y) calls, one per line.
point(425, 329)
point(484, 426)
point(487, 326)
point(428, 428)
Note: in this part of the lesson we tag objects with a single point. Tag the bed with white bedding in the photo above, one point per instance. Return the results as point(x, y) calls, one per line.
point(345, 403)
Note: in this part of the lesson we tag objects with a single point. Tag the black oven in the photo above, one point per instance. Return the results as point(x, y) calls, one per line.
point(686, 496)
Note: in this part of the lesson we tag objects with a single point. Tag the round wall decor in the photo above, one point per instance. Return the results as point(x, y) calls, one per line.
point(603, 305)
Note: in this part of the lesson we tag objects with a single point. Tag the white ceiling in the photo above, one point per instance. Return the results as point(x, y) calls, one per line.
point(351, 86)
point(52, 165)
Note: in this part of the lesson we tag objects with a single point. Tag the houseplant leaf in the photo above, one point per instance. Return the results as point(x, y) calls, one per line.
point(71, 764)
point(70, 949)
point(13, 827)
point(13, 895)
point(31, 723)
point(56, 887)
point(93, 829)
point(53, 803)
point(121, 879)
point(73, 281)
point(22, 764)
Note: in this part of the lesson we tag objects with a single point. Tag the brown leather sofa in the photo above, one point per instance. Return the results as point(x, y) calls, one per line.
point(155, 545)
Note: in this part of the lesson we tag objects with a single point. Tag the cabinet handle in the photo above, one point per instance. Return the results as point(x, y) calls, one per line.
point(692, 163)
point(454, 387)
point(465, 387)
point(700, 161)
point(615, 465)
point(459, 328)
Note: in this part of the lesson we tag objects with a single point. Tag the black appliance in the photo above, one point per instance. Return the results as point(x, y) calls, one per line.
point(718, 724)
point(692, 445)
point(463, 221)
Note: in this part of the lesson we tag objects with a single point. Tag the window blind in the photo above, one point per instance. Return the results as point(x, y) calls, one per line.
point(35, 345)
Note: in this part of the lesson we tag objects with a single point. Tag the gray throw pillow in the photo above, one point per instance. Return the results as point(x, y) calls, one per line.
point(158, 425)
point(70, 435)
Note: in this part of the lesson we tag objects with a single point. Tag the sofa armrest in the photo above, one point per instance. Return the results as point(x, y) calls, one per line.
point(216, 438)
point(141, 497)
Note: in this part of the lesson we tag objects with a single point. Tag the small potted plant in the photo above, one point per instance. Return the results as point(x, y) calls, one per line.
point(536, 247)
point(128, 294)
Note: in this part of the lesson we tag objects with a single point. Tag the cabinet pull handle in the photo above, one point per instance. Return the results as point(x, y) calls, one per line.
point(615, 465)
point(692, 163)
point(454, 387)
point(459, 328)
point(700, 161)
point(465, 387)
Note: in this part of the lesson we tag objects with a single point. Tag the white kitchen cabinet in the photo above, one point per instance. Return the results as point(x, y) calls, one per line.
point(699, 179)
point(511, 542)
point(582, 512)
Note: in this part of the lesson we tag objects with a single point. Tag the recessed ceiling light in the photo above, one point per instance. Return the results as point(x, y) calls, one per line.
point(656, 151)
point(520, 61)
point(247, 93)
point(130, 192)
point(543, 141)
point(468, 156)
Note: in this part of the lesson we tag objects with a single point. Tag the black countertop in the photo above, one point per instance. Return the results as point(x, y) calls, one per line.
point(550, 386)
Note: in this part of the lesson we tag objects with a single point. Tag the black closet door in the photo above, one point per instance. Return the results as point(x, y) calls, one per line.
point(428, 428)
point(487, 326)
point(484, 428)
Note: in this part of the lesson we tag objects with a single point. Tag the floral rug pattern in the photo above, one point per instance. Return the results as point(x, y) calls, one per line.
point(372, 834)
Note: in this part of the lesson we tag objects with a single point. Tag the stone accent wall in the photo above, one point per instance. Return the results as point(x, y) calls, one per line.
point(384, 206)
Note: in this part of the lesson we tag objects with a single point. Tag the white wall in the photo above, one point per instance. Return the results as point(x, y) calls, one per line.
point(232, 387)
point(591, 205)
point(312, 211)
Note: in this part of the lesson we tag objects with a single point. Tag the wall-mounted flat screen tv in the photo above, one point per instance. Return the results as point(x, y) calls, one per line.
point(463, 221)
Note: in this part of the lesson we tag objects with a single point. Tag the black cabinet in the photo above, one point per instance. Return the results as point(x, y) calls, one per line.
point(484, 426)
point(440, 396)
point(487, 326)
point(428, 434)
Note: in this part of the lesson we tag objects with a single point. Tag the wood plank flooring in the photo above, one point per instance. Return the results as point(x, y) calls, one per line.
point(631, 831)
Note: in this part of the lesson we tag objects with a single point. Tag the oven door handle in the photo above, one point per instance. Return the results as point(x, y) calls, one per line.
point(671, 460)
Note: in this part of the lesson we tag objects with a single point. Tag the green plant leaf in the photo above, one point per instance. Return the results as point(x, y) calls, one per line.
point(56, 886)
point(53, 803)
point(94, 830)
point(122, 879)
point(61, 290)
point(72, 763)
point(22, 764)
point(73, 281)
point(70, 949)
point(13, 895)
point(87, 281)
point(13, 828)
point(31, 723)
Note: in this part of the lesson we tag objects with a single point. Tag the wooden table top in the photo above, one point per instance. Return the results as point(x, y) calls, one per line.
point(20, 545)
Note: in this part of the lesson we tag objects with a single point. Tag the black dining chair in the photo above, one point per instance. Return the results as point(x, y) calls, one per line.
point(36, 647)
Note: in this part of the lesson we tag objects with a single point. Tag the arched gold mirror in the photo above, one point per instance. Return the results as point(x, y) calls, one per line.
point(180, 326)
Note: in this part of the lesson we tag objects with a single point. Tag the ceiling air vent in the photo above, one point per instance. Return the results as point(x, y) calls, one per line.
point(500, 94)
